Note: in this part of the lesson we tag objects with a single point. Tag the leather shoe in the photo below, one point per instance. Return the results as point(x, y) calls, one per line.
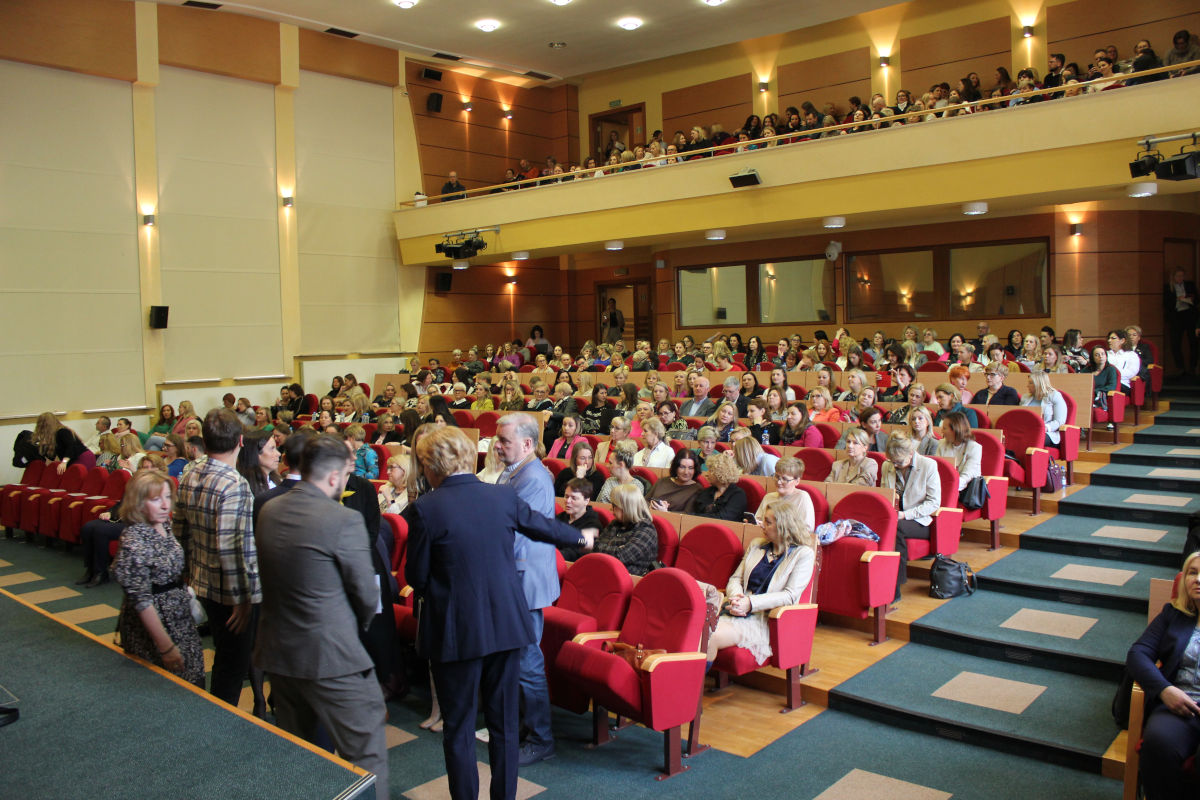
point(99, 580)
point(86, 579)
point(531, 753)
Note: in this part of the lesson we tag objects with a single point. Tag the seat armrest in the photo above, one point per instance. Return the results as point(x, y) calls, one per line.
point(792, 629)
point(946, 530)
point(1068, 442)
point(879, 571)
point(997, 504)
point(595, 639)
point(1037, 460)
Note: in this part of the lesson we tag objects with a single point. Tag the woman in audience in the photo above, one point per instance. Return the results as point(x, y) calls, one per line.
point(949, 400)
point(723, 421)
point(325, 404)
point(680, 355)
point(366, 462)
point(762, 429)
point(1031, 351)
point(866, 400)
point(1105, 377)
point(675, 494)
point(1073, 352)
point(779, 381)
point(660, 394)
point(162, 426)
point(262, 420)
point(916, 399)
point(918, 493)
point(483, 399)
point(1053, 360)
point(958, 445)
point(920, 428)
point(393, 495)
point(1124, 359)
point(493, 467)
point(876, 348)
point(751, 458)
point(668, 415)
point(776, 405)
point(774, 572)
point(821, 407)
point(857, 468)
point(622, 456)
point(902, 377)
point(750, 388)
point(930, 343)
point(824, 351)
point(627, 402)
point(155, 622)
point(577, 513)
point(825, 378)
point(511, 398)
point(1015, 344)
point(580, 464)
point(1039, 392)
point(173, 450)
point(597, 418)
point(657, 454)
point(258, 462)
point(59, 444)
point(335, 387)
point(131, 452)
point(440, 413)
point(954, 344)
point(855, 381)
point(995, 392)
point(386, 433)
point(110, 452)
point(893, 357)
point(755, 352)
point(1004, 81)
point(323, 420)
point(799, 429)
point(631, 537)
point(788, 473)
point(186, 412)
point(618, 431)
point(912, 354)
point(1171, 728)
point(723, 499)
point(569, 435)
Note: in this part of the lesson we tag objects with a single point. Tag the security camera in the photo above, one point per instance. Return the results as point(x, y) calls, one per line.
point(832, 251)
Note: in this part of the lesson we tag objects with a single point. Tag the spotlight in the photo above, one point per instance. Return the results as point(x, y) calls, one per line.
point(1143, 189)
point(520, 255)
point(465, 246)
point(762, 86)
point(974, 209)
point(1177, 168)
point(1027, 32)
point(1076, 229)
point(148, 220)
point(1144, 164)
point(885, 61)
point(467, 106)
point(615, 244)
point(834, 222)
point(714, 235)
point(508, 115)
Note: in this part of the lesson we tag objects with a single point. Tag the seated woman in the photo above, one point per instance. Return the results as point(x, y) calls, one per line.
point(776, 405)
point(657, 454)
point(763, 430)
point(788, 473)
point(855, 382)
point(1073, 353)
point(912, 354)
point(958, 445)
point(821, 407)
point(622, 454)
point(570, 435)
point(162, 426)
point(799, 429)
point(386, 433)
point(483, 399)
point(1015, 343)
point(676, 493)
point(856, 468)
point(1053, 360)
point(755, 353)
point(110, 452)
point(865, 402)
point(641, 415)
point(439, 411)
point(750, 455)
point(902, 377)
point(1052, 405)
point(393, 495)
point(618, 431)
point(1031, 351)
point(918, 493)
point(542, 366)
point(581, 463)
point(930, 343)
point(723, 499)
point(706, 445)
point(673, 425)
point(511, 398)
point(953, 352)
point(995, 392)
point(920, 428)
point(366, 462)
point(750, 388)
point(631, 537)
point(155, 622)
point(779, 381)
point(774, 572)
point(1123, 358)
point(1171, 730)
point(949, 400)
point(723, 420)
point(916, 399)
point(173, 453)
point(186, 414)
point(577, 513)
point(598, 416)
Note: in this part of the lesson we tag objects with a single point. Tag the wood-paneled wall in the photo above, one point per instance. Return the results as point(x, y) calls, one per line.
point(96, 37)
point(951, 54)
point(346, 58)
point(829, 79)
point(480, 144)
point(727, 101)
point(1078, 29)
point(224, 44)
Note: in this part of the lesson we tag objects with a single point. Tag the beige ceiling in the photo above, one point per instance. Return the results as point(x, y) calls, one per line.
point(588, 27)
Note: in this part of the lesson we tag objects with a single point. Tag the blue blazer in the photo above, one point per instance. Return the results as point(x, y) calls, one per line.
point(1164, 640)
point(462, 568)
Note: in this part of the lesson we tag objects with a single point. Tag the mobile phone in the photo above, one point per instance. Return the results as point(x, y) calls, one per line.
point(749, 517)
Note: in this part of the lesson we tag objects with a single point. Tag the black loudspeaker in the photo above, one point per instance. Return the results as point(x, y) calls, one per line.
point(158, 316)
point(443, 281)
point(747, 177)
point(430, 74)
point(433, 102)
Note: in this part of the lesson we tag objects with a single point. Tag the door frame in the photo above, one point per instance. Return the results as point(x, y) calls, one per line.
point(601, 115)
point(632, 283)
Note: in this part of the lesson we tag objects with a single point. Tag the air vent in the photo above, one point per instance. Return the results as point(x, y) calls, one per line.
point(538, 75)
point(198, 4)
point(447, 57)
point(340, 32)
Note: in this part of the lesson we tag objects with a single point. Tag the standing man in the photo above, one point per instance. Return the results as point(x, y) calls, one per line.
point(467, 573)
point(452, 188)
point(215, 524)
point(612, 322)
point(320, 592)
point(1179, 302)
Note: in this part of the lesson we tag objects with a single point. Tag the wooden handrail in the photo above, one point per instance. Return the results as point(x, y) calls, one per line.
point(817, 133)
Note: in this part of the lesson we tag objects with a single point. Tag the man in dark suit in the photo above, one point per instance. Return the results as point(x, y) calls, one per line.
point(319, 593)
point(1179, 303)
point(731, 392)
point(473, 620)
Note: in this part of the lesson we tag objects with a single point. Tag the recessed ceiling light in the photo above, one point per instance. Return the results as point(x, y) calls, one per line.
point(715, 235)
point(405, 3)
point(461, 264)
point(556, 45)
point(560, 2)
point(615, 244)
point(487, 25)
point(974, 209)
point(834, 222)
point(629, 23)
point(713, 2)
point(520, 255)
point(1143, 189)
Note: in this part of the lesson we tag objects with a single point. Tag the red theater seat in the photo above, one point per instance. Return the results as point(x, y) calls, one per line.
point(860, 575)
point(1025, 437)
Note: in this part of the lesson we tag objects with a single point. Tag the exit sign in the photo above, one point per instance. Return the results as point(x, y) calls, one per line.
point(614, 103)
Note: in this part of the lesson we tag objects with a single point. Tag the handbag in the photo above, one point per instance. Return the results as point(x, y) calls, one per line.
point(975, 494)
point(949, 578)
point(634, 655)
point(1056, 478)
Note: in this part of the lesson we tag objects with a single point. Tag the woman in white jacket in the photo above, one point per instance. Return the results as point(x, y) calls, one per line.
point(958, 444)
point(1053, 406)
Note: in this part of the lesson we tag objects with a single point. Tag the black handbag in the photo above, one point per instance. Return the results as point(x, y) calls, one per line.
point(975, 494)
point(949, 578)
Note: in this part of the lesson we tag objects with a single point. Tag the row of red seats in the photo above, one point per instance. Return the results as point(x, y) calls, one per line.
point(57, 505)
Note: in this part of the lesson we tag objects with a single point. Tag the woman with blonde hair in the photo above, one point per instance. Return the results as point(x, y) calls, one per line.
point(1053, 360)
point(1051, 405)
point(186, 412)
point(920, 428)
point(131, 452)
point(912, 354)
point(752, 459)
point(657, 454)
point(865, 401)
point(916, 399)
point(618, 431)
point(856, 381)
point(56, 442)
point(723, 421)
point(774, 572)
point(789, 472)
point(110, 452)
point(723, 499)
point(857, 468)
point(631, 537)
point(821, 407)
point(511, 398)
point(393, 495)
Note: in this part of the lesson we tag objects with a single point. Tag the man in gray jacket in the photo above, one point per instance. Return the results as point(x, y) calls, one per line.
point(319, 591)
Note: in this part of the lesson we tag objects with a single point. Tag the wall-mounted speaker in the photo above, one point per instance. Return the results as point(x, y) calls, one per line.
point(443, 281)
point(433, 102)
point(158, 316)
point(430, 74)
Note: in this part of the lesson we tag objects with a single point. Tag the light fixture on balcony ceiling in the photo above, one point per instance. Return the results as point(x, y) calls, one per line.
point(715, 235)
point(614, 244)
point(834, 222)
point(975, 209)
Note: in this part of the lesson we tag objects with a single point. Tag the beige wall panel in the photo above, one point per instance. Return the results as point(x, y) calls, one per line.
point(70, 312)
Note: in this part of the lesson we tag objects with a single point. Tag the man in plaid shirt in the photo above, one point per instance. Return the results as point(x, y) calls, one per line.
point(215, 520)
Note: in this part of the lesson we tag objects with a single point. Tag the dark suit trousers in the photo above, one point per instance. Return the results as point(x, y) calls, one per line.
point(458, 684)
point(1182, 327)
point(1167, 741)
point(95, 537)
point(907, 529)
point(231, 661)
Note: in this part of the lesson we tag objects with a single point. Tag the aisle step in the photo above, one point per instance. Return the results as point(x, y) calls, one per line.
point(1177, 435)
point(1075, 580)
point(1150, 505)
point(1158, 455)
point(1050, 716)
point(1116, 540)
point(1179, 416)
point(1149, 478)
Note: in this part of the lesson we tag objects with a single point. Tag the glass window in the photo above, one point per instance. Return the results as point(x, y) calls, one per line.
point(890, 286)
point(712, 296)
point(999, 280)
point(795, 291)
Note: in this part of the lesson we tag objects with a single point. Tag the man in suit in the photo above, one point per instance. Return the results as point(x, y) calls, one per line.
point(918, 494)
point(701, 405)
point(320, 592)
point(731, 392)
point(466, 568)
point(1179, 303)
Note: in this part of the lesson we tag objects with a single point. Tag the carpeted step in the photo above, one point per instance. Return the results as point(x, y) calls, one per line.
point(1142, 506)
point(1079, 581)
point(1028, 630)
point(1092, 537)
point(1148, 478)
point(1177, 435)
point(1026, 710)
point(1157, 455)
point(1189, 416)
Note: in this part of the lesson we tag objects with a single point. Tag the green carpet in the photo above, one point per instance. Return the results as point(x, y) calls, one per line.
point(1146, 477)
point(1158, 455)
point(94, 723)
point(1032, 570)
point(1113, 503)
point(1073, 535)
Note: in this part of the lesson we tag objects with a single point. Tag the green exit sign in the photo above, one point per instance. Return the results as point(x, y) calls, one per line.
point(614, 103)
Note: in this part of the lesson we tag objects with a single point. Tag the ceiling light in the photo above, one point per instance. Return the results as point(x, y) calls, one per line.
point(974, 209)
point(713, 2)
point(1143, 189)
point(405, 3)
point(715, 235)
point(521, 255)
point(834, 222)
point(615, 244)
point(885, 61)
point(629, 23)
point(1027, 32)
point(560, 2)
point(461, 264)
point(487, 25)
point(556, 45)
